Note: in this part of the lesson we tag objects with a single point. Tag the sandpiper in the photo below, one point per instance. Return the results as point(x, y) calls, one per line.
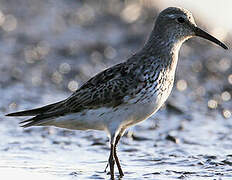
point(127, 93)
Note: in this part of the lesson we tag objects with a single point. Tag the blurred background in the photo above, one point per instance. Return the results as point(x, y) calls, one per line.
point(49, 48)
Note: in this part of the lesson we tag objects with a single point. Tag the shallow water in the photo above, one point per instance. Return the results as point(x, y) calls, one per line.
point(189, 138)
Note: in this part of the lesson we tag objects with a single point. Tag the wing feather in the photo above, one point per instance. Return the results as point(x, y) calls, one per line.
point(106, 89)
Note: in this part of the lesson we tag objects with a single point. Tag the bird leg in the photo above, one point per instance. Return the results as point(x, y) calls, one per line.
point(116, 157)
point(111, 161)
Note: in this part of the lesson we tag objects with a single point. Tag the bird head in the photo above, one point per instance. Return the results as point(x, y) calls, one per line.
point(179, 24)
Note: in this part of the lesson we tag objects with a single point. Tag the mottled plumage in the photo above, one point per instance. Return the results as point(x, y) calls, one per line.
point(129, 92)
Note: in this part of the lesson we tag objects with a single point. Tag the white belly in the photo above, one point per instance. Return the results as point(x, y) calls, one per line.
point(109, 119)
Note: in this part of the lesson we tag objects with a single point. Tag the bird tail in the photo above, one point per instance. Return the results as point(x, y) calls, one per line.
point(43, 119)
point(42, 115)
point(36, 111)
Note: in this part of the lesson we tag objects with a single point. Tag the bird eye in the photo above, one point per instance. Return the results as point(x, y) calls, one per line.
point(180, 20)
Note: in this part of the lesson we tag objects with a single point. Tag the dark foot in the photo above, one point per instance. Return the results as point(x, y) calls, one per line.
point(106, 166)
point(111, 162)
point(116, 157)
point(118, 164)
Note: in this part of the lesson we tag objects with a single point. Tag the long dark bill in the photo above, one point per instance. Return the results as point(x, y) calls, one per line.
point(199, 32)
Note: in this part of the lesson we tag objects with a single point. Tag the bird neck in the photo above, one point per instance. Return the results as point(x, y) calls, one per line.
point(163, 43)
point(163, 48)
